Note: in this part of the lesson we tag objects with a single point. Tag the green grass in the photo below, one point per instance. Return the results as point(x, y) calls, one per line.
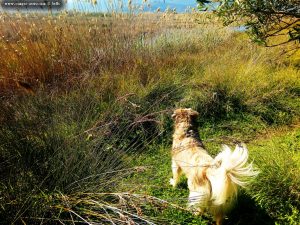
point(277, 188)
point(273, 198)
point(154, 181)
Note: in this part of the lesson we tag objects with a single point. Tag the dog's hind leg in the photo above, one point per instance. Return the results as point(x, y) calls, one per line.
point(176, 170)
point(219, 219)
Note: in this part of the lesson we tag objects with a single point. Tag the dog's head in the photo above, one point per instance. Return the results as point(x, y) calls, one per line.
point(184, 115)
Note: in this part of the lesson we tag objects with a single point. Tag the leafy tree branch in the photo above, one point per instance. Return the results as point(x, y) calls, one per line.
point(269, 22)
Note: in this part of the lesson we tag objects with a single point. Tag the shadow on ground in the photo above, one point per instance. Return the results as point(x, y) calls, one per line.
point(246, 212)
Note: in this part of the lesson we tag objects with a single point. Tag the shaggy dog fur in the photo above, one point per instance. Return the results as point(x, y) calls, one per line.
point(212, 182)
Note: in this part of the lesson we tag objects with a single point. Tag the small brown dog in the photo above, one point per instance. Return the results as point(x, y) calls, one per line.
point(212, 182)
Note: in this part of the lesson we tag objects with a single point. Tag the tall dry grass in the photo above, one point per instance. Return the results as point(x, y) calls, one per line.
point(52, 50)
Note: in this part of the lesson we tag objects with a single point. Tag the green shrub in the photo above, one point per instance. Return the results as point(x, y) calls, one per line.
point(276, 189)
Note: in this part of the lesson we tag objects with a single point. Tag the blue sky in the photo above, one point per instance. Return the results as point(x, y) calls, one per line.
point(107, 5)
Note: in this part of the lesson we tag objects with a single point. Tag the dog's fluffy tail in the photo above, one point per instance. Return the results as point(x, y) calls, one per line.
point(235, 164)
point(232, 171)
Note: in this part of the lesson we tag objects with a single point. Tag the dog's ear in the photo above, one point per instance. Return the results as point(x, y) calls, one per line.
point(175, 113)
point(193, 113)
point(173, 116)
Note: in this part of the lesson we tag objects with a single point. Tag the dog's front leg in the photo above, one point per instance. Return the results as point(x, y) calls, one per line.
point(176, 170)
